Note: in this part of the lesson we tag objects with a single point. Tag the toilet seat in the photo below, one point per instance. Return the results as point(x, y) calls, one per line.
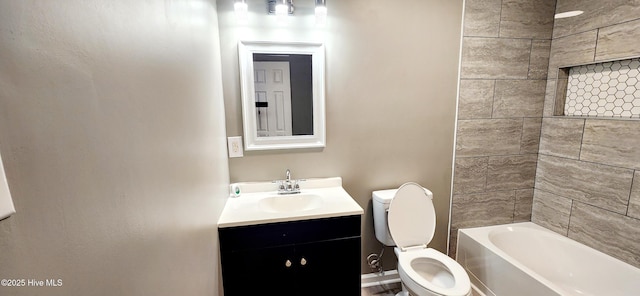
point(412, 224)
point(415, 281)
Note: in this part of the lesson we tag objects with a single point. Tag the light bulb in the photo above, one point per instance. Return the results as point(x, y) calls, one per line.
point(321, 15)
point(282, 8)
point(282, 11)
point(242, 11)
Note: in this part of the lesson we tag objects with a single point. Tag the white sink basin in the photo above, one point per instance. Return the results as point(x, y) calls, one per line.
point(290, 202)
point(259, 203)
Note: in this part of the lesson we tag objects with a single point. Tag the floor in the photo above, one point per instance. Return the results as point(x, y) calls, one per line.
point(382, 290)
point(391, 290)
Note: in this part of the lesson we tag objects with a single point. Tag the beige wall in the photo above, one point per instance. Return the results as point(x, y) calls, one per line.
point(588, 176)
point(391, 78)
point(505, 54)
point(112, 135)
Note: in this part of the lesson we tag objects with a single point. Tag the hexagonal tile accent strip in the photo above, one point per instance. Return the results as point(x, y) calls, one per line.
point(610, 89)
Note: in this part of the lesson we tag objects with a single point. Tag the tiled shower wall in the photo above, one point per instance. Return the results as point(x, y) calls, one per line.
point(505, 54)
point(588, 177)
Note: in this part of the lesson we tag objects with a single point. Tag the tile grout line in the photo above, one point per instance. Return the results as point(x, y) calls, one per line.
point(630, 192)
point(515, 201)
point(570, 215)
point(504, 38)
point(530, 54)
point(521, 135)
point(595, 47)
point(500, 19)
point(584, 124)
point(498, 79)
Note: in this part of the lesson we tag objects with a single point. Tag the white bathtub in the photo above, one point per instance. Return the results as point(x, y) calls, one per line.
point(527, 259)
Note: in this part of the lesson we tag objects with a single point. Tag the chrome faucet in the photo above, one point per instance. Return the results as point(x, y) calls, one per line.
point(288, 186)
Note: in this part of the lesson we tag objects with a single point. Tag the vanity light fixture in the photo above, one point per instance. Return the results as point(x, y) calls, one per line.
point(321, 12)
point(242, 10)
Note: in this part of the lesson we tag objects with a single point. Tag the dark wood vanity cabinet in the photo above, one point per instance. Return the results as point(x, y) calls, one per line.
point(308, 257)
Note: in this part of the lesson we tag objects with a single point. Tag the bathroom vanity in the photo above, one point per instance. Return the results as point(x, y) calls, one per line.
point(298, 244)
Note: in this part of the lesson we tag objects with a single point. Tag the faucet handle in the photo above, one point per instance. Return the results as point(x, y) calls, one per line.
point(280, 184)
point(296, 185)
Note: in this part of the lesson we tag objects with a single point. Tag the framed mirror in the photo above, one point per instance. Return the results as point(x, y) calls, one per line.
point(282, 85)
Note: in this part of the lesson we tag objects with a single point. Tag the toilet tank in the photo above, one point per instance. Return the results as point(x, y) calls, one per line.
point(381, 201)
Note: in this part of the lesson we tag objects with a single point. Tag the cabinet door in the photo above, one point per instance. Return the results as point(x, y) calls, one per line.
point(260, 272)
point(329, 267)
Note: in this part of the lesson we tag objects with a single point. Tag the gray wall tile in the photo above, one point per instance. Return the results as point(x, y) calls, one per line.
point(470, 174)
point(484, 137)
point(482, 18)
point(618, 41)
point(572, 50)
point(476, 99)
point(600, 185)
point(524, 203)
point(597, 14)
point(530, 135)
point(518, 98)
point(453, 242)
point(611, 233)
point(511, 172)
point(551, 211)
point(479, 209)
point(561, 137)
point(549, 97)
point(614, 142)
point(539, 62)
point(634, 200)
point(495, 58)
point(527, 19)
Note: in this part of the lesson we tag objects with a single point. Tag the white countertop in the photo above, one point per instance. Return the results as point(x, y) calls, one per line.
point(245, 210)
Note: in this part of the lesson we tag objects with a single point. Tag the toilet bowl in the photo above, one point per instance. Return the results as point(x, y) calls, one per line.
point(429, 272)
point(409, 224)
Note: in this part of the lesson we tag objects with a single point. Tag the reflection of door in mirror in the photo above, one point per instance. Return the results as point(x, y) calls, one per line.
point(295, 112)
point(273, 98)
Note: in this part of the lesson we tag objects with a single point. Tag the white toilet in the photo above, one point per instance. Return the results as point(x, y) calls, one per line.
point(405, 218)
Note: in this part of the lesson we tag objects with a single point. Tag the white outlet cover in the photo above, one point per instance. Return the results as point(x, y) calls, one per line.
point(235, 147)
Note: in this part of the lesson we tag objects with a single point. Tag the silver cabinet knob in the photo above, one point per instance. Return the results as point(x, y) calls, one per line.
point(303, 261)
point(287, 263)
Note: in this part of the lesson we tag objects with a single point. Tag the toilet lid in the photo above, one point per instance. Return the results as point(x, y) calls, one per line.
point(412, 218)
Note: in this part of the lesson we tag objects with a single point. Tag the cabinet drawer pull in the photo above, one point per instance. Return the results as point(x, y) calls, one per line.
point(287, 263)
point(303, 261)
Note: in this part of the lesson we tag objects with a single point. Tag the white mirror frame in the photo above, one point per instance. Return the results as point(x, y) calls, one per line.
point(246, 49)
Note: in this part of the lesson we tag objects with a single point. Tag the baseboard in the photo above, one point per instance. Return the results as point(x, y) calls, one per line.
point(377, 279)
